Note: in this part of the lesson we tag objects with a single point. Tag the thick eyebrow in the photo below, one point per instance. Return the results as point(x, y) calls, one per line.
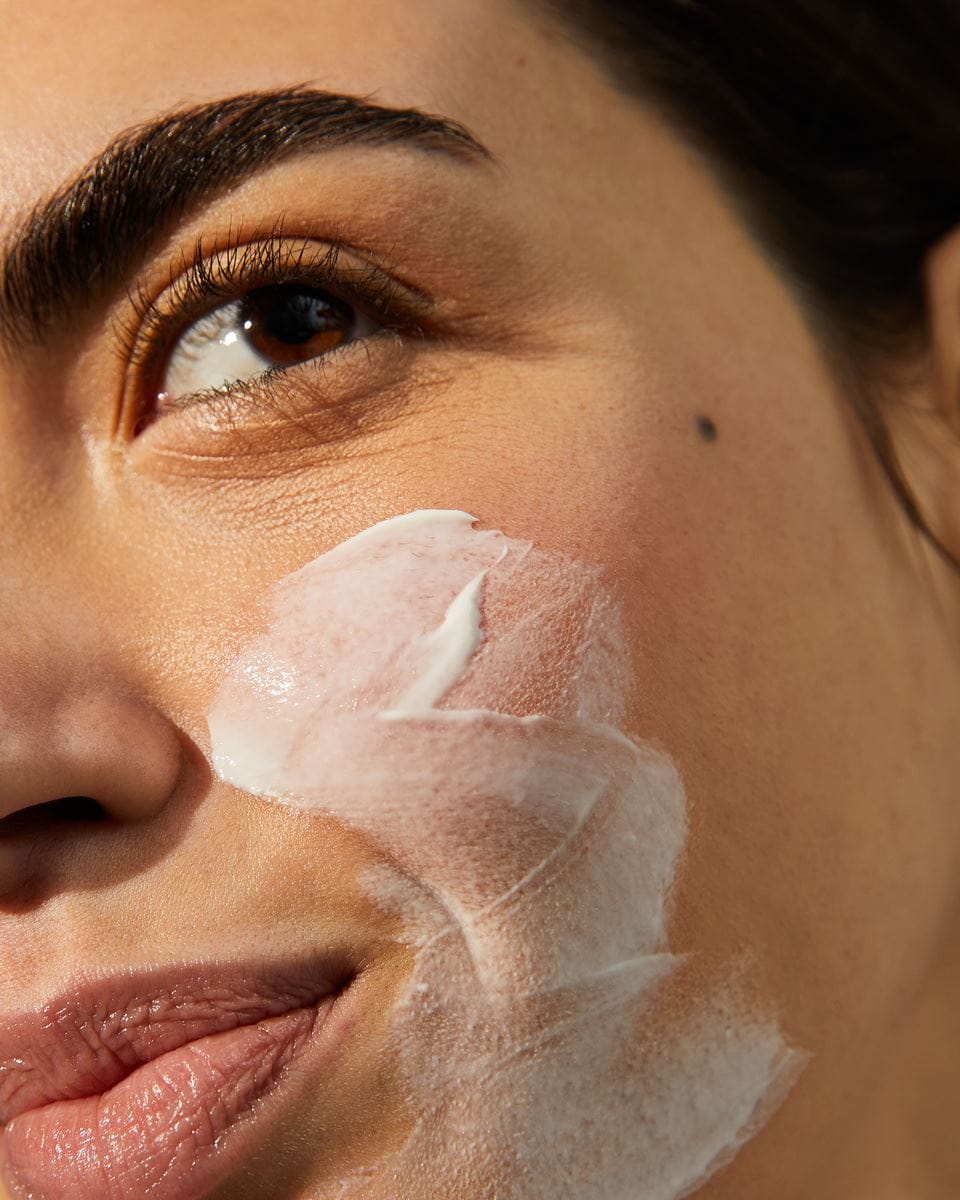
point(84, 241)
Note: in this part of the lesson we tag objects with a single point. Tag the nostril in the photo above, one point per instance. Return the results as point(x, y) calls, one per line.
point(64, 810)
point(71, 808)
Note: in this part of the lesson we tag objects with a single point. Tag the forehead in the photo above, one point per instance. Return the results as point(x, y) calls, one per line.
point(76, 74)
point(593, 184)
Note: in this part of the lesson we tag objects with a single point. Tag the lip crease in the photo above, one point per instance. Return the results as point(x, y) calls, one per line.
point(132, 1082)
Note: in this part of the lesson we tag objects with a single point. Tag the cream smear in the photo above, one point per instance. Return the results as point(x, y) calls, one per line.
point(458, 696)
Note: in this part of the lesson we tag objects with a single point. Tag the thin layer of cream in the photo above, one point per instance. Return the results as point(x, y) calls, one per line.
point(458, 696)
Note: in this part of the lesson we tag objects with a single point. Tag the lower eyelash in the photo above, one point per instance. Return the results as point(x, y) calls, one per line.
point(258, 390)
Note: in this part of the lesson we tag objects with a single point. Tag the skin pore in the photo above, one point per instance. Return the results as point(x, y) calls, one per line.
point(612, 370)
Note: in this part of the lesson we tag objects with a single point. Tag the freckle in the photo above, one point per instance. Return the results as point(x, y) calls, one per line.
point(707, 429)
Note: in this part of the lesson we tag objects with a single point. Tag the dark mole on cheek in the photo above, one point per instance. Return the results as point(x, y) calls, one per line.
point(706, 429)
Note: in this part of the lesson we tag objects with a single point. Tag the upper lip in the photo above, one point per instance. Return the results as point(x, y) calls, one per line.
point(95, 1035)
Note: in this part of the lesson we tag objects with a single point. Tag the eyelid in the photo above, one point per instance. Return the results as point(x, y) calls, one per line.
point(210, 278)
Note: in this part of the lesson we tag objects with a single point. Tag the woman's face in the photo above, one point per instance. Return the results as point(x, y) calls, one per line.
point(608, 367)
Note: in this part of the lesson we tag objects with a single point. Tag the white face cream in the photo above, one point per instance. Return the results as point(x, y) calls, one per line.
point(459, 696)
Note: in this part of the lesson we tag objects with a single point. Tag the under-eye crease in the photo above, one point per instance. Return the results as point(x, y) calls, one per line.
point(209, 281)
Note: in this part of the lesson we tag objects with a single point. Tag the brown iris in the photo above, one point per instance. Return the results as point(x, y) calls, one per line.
point(290, 324)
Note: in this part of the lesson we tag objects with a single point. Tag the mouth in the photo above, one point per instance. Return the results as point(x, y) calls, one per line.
point(159, 1083)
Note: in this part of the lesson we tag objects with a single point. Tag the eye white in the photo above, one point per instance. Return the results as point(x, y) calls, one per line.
point(215, 352)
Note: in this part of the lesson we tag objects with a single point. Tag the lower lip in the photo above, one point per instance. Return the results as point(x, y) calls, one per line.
point(174, 1129)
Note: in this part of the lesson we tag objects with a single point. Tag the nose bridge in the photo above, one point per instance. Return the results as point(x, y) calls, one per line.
point(40, 451)
point(48, 607)
point(41, 535)
point(51, 541)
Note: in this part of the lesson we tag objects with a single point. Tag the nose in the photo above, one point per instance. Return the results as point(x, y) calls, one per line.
point(110, 753)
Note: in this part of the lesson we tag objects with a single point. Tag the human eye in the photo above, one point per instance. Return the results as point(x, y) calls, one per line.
point(268, 329)
point(231, 323)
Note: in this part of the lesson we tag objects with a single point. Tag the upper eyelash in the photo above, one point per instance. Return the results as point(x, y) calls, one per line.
point(209, 278)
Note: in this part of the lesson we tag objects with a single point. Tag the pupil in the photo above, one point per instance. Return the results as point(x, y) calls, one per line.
point(295, 315)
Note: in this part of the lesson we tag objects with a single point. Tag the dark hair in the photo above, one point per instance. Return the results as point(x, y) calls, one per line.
point(836, 128)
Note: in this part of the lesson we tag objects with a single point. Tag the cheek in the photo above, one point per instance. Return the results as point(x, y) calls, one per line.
point(771, 604)
point(441, 688)
point(460, 697)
